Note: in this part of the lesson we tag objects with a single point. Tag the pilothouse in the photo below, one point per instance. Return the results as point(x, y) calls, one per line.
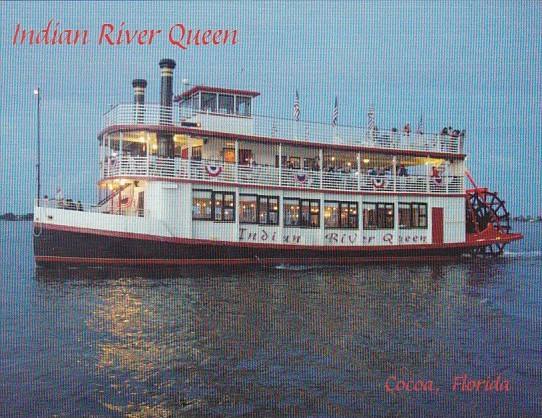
point(201, 179)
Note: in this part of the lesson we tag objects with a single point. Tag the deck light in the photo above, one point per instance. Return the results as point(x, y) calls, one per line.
point(366, 161)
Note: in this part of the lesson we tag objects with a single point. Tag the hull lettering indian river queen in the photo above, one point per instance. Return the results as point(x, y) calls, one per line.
point(330, 238)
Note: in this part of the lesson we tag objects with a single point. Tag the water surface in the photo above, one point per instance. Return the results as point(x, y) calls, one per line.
point(292, 341)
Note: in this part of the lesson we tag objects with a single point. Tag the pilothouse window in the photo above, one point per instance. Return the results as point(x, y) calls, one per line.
point(208, 102)
point(242, 106)
point(225, 104)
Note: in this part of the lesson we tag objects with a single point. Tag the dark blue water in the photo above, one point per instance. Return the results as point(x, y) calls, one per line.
point(299, 342)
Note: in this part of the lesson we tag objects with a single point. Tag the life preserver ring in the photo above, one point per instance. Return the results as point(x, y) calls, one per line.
point(213, 170)
point(378, 182)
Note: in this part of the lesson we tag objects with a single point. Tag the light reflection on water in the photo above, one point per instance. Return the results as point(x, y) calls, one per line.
point(302, 341)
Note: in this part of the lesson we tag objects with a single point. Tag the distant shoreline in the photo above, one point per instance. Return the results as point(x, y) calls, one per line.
point(12, 217)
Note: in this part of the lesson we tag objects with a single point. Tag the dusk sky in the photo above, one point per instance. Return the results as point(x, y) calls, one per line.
point(470, 65)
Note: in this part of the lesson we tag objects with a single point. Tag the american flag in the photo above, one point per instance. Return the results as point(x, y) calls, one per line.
point(371, 115)
point(420, 128)
point(335, 114)
point(297, 111)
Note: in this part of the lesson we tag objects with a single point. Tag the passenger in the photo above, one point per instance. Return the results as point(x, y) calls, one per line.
point(79, 206)
point(402, 171)
point(372, 172)
point(406, 129)
point(59, 198)
point(444, 131)
point(69, 204)
point(46, 201)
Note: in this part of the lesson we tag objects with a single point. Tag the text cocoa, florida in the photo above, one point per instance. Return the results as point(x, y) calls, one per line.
point(120, 34)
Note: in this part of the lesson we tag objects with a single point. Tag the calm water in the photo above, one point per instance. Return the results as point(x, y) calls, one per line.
point(297, 341)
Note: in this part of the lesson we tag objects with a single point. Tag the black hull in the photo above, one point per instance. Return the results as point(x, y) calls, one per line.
point(53, 246)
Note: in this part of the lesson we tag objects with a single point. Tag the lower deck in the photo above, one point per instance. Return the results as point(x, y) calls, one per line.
point(261, 216)
point(168, 223)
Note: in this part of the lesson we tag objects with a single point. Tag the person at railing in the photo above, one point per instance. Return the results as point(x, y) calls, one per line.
point(79, 206)
point(46, 201)
point(406, 129)
point(59, 198)
point(402, 171)
point(461, 140)
point(289, 164)
point(70, 205)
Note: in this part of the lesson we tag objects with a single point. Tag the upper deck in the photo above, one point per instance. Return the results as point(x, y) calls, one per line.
point(219, 122)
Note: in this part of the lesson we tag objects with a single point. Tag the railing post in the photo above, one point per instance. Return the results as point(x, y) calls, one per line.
point(121, 136)
point(109, 154)
point(447, 177)
point(321, 158)
point(427, 179)
point(148, 152)
point(280, 164)
point(236, 160)
point(358, 161)
point(394, 173)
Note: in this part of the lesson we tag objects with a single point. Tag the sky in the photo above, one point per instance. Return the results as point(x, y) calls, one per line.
point(470, 65)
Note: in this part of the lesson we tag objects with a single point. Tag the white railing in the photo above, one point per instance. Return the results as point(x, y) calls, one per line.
point(267, 127)
point(106, 208)
point(148, 114)
point(262, 175)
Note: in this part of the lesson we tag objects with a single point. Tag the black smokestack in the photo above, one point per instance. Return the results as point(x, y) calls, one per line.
point(139, 86)
point(165, 140)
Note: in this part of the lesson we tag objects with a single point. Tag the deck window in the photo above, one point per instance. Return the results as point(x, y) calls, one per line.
point(248, 209)
point(263, 210)
point(225, 104)
point(208, 102)
point(377, 215)
point(268, 210)
point(301, 212)
point(202, 204)
point(412, 215)
point(242, 106)
point(213, 206)
point(340, 214)
point(224, 206)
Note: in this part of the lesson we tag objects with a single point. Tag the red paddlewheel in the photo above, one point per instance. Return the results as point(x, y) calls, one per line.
point(484, 208)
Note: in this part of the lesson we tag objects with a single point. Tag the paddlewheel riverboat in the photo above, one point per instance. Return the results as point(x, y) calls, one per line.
point(206, 181)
